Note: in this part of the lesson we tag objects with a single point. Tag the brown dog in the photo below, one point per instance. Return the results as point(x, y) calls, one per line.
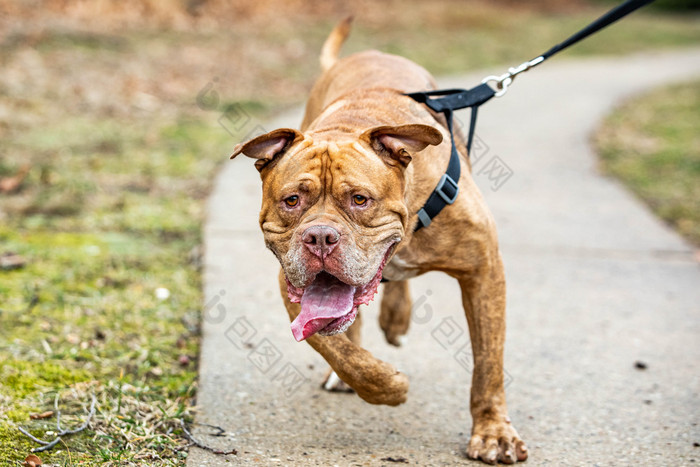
point(340, 203)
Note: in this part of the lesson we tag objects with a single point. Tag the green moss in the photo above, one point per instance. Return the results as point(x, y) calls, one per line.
point(18, 413)
point(21, 378)
point(13, 447)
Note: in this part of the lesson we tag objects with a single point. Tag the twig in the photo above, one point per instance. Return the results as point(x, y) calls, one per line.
point(201, 445)
point(87, 420)
point(46, 445)
point(30, 436)
point(219, 431)
point(58, 413)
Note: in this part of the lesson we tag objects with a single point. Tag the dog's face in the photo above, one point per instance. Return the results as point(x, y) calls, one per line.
point(333, 211)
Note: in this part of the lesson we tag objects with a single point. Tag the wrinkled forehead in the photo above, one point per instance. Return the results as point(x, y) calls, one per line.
point(329, 161)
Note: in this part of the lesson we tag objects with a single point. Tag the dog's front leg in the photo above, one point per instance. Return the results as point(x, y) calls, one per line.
point(493, 438)
point(375, 381)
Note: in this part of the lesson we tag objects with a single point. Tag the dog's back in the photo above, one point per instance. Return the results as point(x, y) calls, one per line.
point(370, 69)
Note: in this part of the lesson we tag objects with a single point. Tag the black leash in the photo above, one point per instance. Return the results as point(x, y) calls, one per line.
point(446, 101)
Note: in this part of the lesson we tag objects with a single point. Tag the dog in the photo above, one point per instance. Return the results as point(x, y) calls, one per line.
point(339, 211)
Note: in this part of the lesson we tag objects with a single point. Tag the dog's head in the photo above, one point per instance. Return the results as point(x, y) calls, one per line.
point(333, 211)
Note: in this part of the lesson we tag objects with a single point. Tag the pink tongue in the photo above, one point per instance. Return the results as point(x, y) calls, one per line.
point(324, 301)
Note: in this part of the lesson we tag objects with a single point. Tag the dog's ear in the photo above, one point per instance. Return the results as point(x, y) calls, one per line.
point(266, 148)
point(395, 144)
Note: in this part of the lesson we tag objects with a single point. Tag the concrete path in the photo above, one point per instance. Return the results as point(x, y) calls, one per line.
point(595, 284)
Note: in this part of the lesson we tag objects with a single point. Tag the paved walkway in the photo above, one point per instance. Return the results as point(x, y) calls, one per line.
point(595, 284)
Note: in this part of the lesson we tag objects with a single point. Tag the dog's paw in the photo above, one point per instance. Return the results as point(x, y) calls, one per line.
point(495, 441)
point(387, 387)
point(395, 312)
point(332, 383)
point(395, 336)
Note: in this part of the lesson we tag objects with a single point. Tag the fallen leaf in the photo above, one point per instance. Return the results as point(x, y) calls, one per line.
point(10, 184)
point(32, 461)
point(11, 261)
point(39, 416)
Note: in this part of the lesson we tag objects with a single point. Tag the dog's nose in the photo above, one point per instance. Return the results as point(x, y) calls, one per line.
point(320, 240)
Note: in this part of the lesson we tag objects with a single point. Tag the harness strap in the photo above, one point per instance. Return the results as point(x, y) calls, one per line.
point(446, 101)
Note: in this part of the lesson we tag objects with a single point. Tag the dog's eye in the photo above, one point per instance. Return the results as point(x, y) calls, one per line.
point(359, 200)
point(292, 201)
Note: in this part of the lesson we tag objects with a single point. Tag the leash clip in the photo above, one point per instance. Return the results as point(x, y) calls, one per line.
point(506, 79)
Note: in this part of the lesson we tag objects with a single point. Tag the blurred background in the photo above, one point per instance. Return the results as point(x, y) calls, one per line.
point(114, 117)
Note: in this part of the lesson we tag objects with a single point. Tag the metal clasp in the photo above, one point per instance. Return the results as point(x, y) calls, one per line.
point(506, 79)
point(440, 189)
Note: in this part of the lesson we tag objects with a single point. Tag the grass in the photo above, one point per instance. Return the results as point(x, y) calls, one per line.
point(122, 154)
point(84, 309)
point(652, 144)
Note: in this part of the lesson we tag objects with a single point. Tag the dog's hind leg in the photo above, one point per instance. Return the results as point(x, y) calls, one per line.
point(395, 313)
point(375, 381)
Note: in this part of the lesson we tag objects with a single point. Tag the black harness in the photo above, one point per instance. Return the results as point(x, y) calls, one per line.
point(446, 101)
